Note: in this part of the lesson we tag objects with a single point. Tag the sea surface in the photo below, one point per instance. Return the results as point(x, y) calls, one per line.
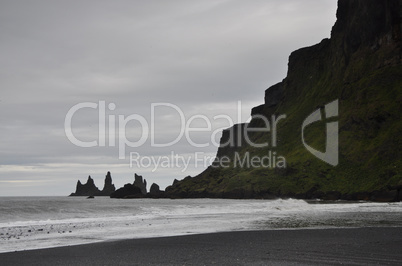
point(42, 222)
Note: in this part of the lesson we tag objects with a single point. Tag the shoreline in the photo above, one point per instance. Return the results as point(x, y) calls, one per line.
point(370, 245)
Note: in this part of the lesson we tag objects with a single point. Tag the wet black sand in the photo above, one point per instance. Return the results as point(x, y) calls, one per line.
point(359, 246)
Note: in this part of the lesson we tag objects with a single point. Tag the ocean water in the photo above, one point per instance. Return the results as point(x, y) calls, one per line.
point(42, 222)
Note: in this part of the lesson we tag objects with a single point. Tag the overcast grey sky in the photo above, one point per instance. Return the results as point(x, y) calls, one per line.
point(201, 56)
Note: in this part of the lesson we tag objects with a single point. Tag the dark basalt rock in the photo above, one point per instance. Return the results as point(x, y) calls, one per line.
point(108, 188)
point(273, 95)
point(128, 191)
point(155, 192)
point(89, 188)
point(332, 195)
point(139, 182)
point(384, 196)
point(154, 189)
point(378, 17)
point(357, 196)
point(136, 190)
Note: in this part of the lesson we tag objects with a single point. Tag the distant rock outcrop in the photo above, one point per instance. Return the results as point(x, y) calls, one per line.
point(139, 182)
point(108, 188)
point(128, 191)
point(155, 192)
point(136, 190)
point(89, 188)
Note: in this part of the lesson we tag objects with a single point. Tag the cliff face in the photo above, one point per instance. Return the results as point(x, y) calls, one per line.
point(360, 68)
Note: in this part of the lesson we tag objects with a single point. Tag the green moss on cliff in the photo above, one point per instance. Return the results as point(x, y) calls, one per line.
point(366, 80)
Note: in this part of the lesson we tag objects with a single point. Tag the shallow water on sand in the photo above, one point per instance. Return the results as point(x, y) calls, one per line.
point(40, 222)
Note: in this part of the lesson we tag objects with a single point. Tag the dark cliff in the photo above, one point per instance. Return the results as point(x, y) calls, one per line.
point(359, 70)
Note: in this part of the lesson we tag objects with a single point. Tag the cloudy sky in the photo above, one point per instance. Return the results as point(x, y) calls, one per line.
point(194, 60)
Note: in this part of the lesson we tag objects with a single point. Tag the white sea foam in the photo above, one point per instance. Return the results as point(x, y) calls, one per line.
point(32, 223)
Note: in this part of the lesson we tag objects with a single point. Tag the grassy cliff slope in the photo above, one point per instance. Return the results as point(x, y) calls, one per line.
point(360, 66)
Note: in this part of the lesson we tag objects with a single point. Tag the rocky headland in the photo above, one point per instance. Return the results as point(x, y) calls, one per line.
point(359, 69)
point(359, 66)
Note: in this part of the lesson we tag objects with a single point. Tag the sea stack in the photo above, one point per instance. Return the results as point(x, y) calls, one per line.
point(139, 182)
point(108, 188)
point(89, 188)
point(136, 190)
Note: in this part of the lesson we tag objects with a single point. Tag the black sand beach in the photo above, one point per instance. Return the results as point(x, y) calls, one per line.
point(358, 246)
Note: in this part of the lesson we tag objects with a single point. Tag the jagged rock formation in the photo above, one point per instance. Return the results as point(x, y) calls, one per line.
point(89, 188)
point(108, 188)
point(136, 190)
point(360, 66)
point(142, 184)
